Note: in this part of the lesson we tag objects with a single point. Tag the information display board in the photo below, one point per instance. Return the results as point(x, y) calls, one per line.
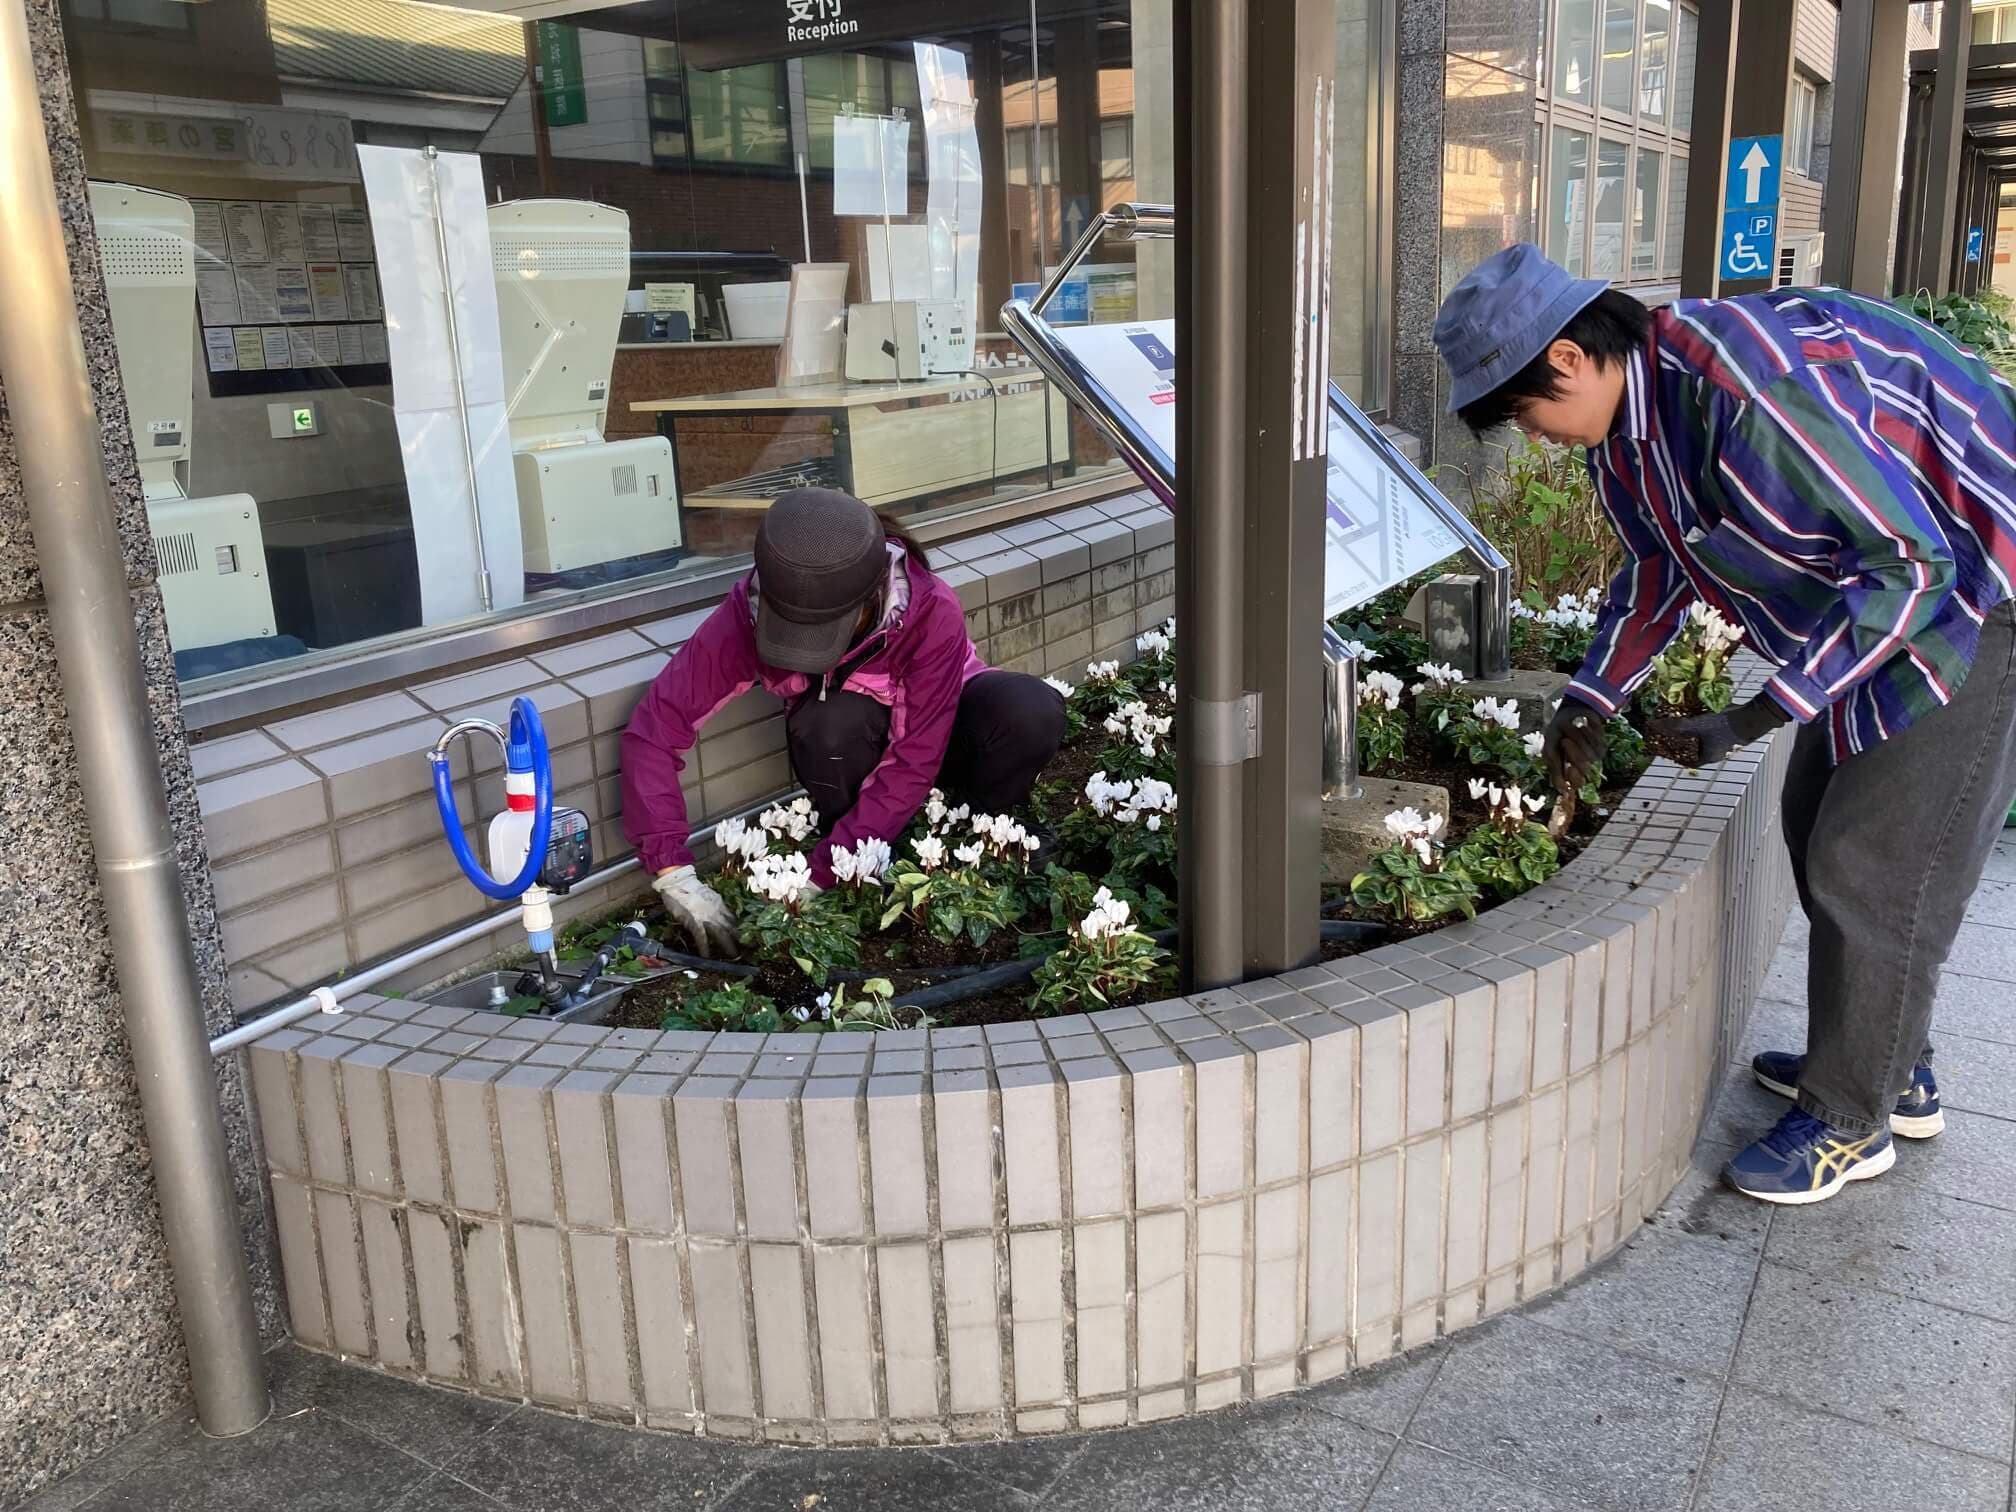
point(1384, 522)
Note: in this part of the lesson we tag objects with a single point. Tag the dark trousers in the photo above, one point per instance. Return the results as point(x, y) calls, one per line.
point(1887, 849)
point(1007, 729)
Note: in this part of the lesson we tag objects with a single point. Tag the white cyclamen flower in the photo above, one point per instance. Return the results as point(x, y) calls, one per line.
point(1478, 788)
point(1501, 712)
point(1152, 793)
point(1105, 671)
point(1380, 690)
point(1358, 651)
point(1154, 822)
point(934, 808)
point(871, 859)
point(1534, 744)
point(930, 852)
point(1108, 917)
point(967, 855)
point(728, 835)
point(782, 879)
point(843, 863)
point(1151, 643)
point(1436, 677)
point(1061, 686)
point(1534, 805)
point(1406, 821)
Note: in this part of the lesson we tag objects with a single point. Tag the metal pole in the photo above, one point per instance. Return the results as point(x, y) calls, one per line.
point(105, 695)
point(1340, 719)
point(1861, 165)
point(1949, 104)
point(433, 155)
point(1212, 738)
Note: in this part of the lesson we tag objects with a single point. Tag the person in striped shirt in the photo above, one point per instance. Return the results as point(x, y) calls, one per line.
point(1839, 479)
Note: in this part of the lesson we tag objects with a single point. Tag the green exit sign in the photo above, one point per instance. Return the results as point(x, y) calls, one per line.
point(304, 422)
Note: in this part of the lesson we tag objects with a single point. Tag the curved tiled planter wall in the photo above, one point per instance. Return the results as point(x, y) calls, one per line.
point(1042, 1227)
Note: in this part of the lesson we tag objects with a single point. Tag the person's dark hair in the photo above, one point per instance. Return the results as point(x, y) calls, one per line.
point(903, 538)
point(1609, 329)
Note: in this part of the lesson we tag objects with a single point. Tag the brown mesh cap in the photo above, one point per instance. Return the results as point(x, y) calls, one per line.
point(820, 553)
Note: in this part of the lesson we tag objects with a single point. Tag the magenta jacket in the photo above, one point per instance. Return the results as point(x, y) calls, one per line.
point(923, 661)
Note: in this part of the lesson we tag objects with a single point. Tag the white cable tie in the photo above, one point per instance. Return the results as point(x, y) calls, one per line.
point(325, 998)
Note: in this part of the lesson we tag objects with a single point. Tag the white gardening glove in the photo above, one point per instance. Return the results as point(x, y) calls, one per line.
point(700, 911)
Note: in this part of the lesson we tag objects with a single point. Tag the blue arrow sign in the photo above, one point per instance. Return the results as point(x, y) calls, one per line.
point(1754, 164)
point(1077, 216)
point(1973, 244)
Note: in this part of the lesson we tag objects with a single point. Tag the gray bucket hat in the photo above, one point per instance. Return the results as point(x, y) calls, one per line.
point(820, 555)
point(1503, 314)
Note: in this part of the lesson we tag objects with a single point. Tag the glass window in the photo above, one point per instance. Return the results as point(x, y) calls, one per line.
point(1652, 68)
point(1361, 204)
point(1676, 218)
point(1984, 25)
point(1575, 50)
point(1686, 39)
point(1568, 198)
point(1620, 54)
point(1607, 246)
point(634, 208)
point(1645, 214)
point(1799, 113)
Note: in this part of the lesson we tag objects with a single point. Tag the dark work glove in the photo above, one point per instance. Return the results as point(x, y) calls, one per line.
point(1574, 744)
point(1722, 733)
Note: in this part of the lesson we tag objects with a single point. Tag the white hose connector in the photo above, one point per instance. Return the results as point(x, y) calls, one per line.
point(325, 1000)
point(536, 912)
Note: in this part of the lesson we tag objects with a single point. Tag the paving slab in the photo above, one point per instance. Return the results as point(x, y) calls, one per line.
point(1385, 1396)
point(1771, 1453)
point(544, 1462)
point(1975, 1159)
point(1419, 1479)
point(426, 1422)
point(1291, 1459)
point(1977, 1007)
point(1904, 1239)
point(856, 1480)
point(314, 1462)
point(1977, 1076)
point(1541, 1406)
point(1668, 1295)
point(1893, 1363)
point(1031, 1466)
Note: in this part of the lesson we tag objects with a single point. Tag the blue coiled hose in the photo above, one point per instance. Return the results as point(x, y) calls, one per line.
point(525, 752)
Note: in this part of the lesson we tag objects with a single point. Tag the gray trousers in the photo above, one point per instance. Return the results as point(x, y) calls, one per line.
point(1887, 849)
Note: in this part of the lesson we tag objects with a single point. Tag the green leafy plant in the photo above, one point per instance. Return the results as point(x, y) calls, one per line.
point(1981, 324)
point(1390, 643)
point(950, 902)
point(734, 1008)
point(1539, 508)
point(866, 1010)
point(1382, 725)
point(817, 931)
point(1691, 676)
point(1100, 693)
point(1508, 853)
point(1103, 958)
point(1408, 879)
point(1624, 752)
point(1486, 733)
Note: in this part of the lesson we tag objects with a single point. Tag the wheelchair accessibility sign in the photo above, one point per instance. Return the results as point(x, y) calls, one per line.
point(1749, 241)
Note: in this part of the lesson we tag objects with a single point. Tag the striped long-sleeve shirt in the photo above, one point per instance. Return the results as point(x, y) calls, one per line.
point(1831, 474)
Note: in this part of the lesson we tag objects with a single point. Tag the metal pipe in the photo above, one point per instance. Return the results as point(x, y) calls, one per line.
point(483, 587)
point(84, 581)
point(1340, 719)
point(1211, 477)
point(324, 999)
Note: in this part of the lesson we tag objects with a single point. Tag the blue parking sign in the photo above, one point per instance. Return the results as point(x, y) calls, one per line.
point(1973, 244)
point(1749, 243)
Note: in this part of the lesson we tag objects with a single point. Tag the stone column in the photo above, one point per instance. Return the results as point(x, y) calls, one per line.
point(90, 1334)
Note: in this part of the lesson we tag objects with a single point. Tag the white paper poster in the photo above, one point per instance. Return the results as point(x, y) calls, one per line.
point(353, 235)
point(318, 233)
point(871, 166)
point(375, 350)
point(328, 348)
point(325, 289)
point(256, 300)
point(301, 347)
point(210, 235)
point(283, 233)
point(217, 292)
point(220, 351)
point(251, 344)
point(952, 159)
point(290, 294)
point(350, 344)
point(245, 231)
point(451, 509)
point(360, 289)
point(278, 349)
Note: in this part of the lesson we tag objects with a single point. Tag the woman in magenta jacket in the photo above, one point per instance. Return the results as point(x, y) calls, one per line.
point(885, 697)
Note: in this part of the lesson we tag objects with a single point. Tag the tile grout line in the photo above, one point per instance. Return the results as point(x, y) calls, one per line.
point(1393, 1449)
point(1700, 1477)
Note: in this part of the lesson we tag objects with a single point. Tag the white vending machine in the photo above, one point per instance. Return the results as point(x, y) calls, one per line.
point(563, 267)
point(211, 552)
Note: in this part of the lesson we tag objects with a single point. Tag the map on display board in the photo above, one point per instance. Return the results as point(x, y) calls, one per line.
point(1383, 520)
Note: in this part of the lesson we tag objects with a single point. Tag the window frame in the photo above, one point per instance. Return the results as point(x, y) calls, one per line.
point(1802, 115)
point(1603, 127)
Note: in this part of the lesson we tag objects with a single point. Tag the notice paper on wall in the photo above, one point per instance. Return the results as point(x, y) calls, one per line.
point(353, 235)
point(325, 289)
point(360, 291)
point(291, 296)
point(210, 237)
point(283, 232)
point(318, 234)
point(251, 345)
point(256, 302)
point(350, 344)
point(277, 347)
point(244, 231)
point(375, 347)
point(301, 347)
point(216, 292)
point(220, 351)
point(328, 346)
point(443, 432)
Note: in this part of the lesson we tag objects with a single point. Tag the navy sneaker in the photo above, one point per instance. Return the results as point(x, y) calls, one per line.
point(1805, 1160)
point(1916, 1116)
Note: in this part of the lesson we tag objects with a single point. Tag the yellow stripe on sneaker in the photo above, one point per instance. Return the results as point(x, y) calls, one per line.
point(1835, 1157)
